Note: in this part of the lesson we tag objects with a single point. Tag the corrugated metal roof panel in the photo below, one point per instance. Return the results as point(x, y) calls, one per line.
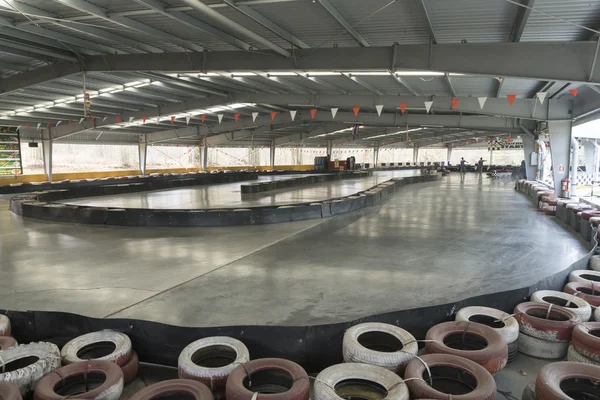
point(429, 85)
point(472, 20)
point(520, 87)
point(544, 28)
point(83, 36)
point(476, 86)
point(53, 7)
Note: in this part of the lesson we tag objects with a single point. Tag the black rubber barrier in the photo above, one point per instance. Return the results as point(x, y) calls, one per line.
point(302, 181)
point(40, 205)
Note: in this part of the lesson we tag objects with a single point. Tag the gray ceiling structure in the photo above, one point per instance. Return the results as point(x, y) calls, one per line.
point(145, 61)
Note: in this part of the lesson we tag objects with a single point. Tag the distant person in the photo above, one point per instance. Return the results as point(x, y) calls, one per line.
point(523, 169)
point(462, 168)
point(480, 166)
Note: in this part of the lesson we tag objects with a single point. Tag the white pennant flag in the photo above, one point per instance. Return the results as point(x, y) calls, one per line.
point(379, 109)
point(482, 101)
point(220, 116)
point(104, 119)
point(293, 114)
point(254, 116)
point(334, 112)
point(81, 120)
point(131, 119)
point(39, 124)
point(18, 128)
point(428, 105)
point(187, 120)
point(541, 96)
point(58, 123)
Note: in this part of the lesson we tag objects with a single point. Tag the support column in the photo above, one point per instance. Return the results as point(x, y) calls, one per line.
point(415, 155)
point(47, 152)
point(574, 165)
point(329, 148)
point(528, 150)
point(204, 155)
point(272, 155)
point(142, 151)
point(449, 154)
point(590, 156)
point(376, 155)
point(560, 142)
point(491, 157)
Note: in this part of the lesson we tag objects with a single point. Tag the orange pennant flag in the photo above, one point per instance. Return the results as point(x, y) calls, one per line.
point(574, 92)
point(29, 125)
point(48, 124)
point(403, 107)
point(273, 114)
point(172, 118)
point(508, 139)
point(356, 110)
point(203, 117)
point(511, 98)
point(118, 119)
point(313, 112)
point(454, 103)
point(144, 119)
point(70, 121)
point(236, 116)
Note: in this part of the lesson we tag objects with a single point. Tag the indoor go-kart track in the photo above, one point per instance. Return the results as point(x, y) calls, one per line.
point(430, 243)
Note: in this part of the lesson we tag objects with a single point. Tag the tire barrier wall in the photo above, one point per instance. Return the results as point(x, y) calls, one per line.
point(40, 206)
point(302, 181)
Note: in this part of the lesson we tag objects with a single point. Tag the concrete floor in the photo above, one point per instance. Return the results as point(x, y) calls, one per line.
point(429, 244)
point(228, 195)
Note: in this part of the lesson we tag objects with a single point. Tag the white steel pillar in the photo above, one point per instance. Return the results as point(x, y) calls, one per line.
point(47, 152)
point(142, 151)
point(449, 154)
point(204, 155)
point(272, 155)
point(560, 142)
point(375, 154)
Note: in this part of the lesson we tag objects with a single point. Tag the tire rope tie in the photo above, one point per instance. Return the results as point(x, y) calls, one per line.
point(593, 289)
point(549, 310)
point(571, 299)
point(3, 365)
point(247, 374)
point(85, 377)
point(508, 316)
point(462, 340)
point(402, 382)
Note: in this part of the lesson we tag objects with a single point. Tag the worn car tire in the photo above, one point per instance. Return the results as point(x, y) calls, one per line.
point(584, 275)
point(217, 346)
point(485, 386)
point(6, 342)
point(8, 391)
point(195, 389)
point(25, 378)
point(493, 356)
point(585, 340)
point(561, 299)
point(513, 350)
point(120, 355)
point(532, 321)
point(575, 356)
point(588, 291)
point(510, 330)
point(551, 376)
point(529, 392)
point(595, 262)
point(130, 368)
point(110, 388)
point(540, 348)
point(299, 390)
point(4, 325)
point(396, 361)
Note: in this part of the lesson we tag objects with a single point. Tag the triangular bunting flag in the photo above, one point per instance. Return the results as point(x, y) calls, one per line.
point(203, 117)
point(38, 125)
point(293, 114)
point(356, 110)
point(541, 96)
point(131, 119)
point(428, 105)
point(511, 98)
point(254, 116)
point(313, 112)
point(574, 92)
point(220, 117)
point(379, 109)
point(508, 139)
point(117, 119)
point(104, 119)
point(172, 118)
point(81, 120)
point(482, 101)
point(454, 103)
point(187, 119)
point(236, 116)
point(403, 107)
point(144, 118)
point(58, 123)
point(29, 125)
point(48, 124)
point(273, 114)
point(333, 112)
point(70, 121)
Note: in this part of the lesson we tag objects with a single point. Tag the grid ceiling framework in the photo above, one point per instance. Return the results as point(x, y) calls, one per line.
point(146, 61)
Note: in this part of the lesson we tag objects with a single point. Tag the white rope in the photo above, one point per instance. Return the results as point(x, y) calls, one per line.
point(571, 299)
point(3, 365)
point(549, 309)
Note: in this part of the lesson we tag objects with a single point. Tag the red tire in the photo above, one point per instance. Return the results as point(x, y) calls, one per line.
point(532, 321)
point(586, 340)
point(198, 390)
point(6, 342)
point(130, 368)
point(8, 391)
point(284, 375)
point(588, 291)
point(479, 383)
point(62, 382)
point(556, 381)
point(476, 342)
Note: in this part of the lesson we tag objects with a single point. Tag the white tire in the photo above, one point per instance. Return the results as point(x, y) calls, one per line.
point(595, 263)
point(330, 378)
point(597, 314)
point(579, 306)
point(574, 355)
point(120, 355)
point(213, 377)
point(4, 325)
point(510, 331)
point(580, 276)
point(542, 348)
point(354, 352)
point(27, 377)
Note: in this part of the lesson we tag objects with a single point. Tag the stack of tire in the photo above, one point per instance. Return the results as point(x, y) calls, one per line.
point(585, 344)
point(6, 341)
point(564, 300)
point(25, 365)
point(564, 380)
point(503, 323)
point(545, 329)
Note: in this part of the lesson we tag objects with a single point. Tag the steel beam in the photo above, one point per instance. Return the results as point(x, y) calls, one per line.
point(450, 85)
point(342, 21)
point(403, 83)
point(428, 19)
point(520, 21)
point(363, 84)
point(34, 52)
